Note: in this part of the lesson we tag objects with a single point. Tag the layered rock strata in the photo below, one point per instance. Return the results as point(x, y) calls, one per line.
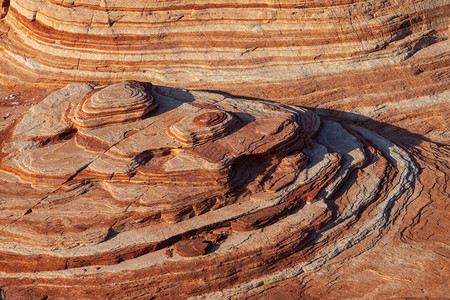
point(93, 216)
point(362, 57)
point(52, 42)
point(188, 193)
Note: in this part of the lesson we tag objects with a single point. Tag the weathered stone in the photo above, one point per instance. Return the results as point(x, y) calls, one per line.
point(101, 183)
point(192, 248)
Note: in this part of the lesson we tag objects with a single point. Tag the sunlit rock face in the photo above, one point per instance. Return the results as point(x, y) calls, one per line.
point(228, 189)
point(384, 60)
point(208, 43)
point(137, 188)
point(181, 157)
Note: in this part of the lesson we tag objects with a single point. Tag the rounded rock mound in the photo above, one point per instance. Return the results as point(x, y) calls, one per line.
point(203, 126)
point(117, 103)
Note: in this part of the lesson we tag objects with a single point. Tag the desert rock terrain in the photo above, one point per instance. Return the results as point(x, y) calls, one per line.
point(217, 150)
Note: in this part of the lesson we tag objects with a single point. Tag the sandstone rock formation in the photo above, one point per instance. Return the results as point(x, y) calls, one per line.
point(286, 149)
point(350, 56)
point(182, 43)
point(132, 190)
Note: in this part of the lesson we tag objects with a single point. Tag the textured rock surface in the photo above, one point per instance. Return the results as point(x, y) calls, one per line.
point(132, 190)
point(246, 196)
point(210, 43)
point(380, 59)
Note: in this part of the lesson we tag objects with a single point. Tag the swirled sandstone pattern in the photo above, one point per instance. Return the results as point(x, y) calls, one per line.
point(213, 192)
point(181, 43)
point(248, 196)
point(379, 59)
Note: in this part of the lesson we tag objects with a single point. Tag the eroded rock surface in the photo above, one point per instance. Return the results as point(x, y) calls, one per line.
point(164, 187)
point(262, 204)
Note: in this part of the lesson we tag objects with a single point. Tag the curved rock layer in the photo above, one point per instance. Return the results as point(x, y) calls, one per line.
point(249, 199)
point(55, 42)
